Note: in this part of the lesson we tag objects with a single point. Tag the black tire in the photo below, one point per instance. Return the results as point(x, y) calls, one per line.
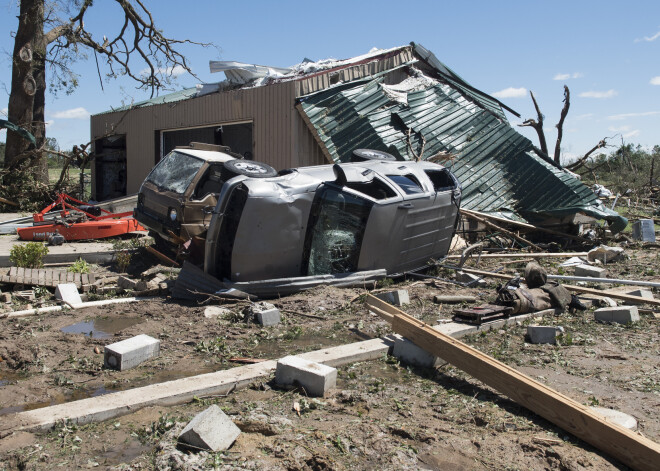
point(249, 168)
point(362, 155)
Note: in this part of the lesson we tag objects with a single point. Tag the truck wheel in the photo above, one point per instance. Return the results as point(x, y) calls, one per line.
point(249, 168)
point(361, 155)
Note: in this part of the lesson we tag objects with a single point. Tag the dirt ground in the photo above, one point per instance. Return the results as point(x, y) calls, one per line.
point(383, 414)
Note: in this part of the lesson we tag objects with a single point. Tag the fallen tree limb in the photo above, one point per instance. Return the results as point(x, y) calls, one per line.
point(501, 229)
point(524, 225)
point(631, 449)
point(527, 255)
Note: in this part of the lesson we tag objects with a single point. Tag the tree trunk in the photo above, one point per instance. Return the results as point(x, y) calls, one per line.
point(24, 86)
point(40, 162)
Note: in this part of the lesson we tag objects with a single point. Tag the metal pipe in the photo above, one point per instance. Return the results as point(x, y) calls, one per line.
point(604, 280)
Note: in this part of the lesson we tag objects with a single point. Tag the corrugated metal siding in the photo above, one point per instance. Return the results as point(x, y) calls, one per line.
point(494, 162)
point(270, 109)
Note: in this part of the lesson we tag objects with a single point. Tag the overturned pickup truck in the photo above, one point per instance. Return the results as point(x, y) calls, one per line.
point(311, 223)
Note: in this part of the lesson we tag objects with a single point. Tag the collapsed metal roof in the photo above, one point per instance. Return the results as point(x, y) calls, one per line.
point(496, 165)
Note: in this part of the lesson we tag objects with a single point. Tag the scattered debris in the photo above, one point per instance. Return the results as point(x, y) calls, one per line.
point(68, 293)
point(397, 297)
point(617, 417)
point(644, 230)
point(440, 299)
point(606, 254)
point(210, 430)
point(619, 315)
point(539, 334)
point(213, 312)
point(264, 313)
point(410, 354)
point(470, 280)
point(590, 271)
point(46, 277)
point(315, 378)
point(131, 352)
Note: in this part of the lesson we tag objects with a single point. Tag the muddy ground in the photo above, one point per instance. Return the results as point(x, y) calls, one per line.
point(383, 415)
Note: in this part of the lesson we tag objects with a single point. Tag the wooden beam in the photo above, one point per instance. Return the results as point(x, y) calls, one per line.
point(501, 229)
point(524, 225)
point(631, 449)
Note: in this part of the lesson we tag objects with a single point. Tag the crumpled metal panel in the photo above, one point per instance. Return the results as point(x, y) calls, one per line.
point(496, 165)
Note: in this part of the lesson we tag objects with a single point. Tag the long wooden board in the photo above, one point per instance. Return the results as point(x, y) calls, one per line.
point(525, 255)
point(631, 449)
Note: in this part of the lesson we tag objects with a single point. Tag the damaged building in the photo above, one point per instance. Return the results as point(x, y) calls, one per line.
point(403, 101)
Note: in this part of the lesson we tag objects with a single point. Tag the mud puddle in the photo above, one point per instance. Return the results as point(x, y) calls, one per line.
point(102, 327)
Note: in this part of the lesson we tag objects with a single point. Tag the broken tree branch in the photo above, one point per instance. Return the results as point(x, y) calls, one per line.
point(500, 229)
point(537, 125)
point(583, 160)
point(560, 124)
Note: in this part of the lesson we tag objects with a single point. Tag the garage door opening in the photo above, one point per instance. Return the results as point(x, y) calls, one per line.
point(110, 167)
point(237, 136)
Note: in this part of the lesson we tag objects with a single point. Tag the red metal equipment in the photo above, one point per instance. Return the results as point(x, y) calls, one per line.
point(79, 222)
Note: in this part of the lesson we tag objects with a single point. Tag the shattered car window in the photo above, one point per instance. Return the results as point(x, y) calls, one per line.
point(175, 172)
point(336, 232)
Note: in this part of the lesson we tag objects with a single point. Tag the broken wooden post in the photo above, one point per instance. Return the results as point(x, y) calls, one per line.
point(631, 449)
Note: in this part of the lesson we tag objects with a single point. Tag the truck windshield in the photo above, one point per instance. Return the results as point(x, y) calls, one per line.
point(175, 172)
point(338, 221)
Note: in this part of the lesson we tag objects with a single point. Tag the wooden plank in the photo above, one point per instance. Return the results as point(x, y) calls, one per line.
point(634, 450)
point(505, 231)
point(576, 289)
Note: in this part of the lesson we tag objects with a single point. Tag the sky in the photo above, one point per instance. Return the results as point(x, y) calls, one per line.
point(606, 52)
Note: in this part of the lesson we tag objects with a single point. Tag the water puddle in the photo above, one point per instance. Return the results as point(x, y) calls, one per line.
point(102, 327)
point(8, 377)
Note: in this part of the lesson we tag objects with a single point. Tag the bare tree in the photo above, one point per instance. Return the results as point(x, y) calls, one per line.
point(537, 125)
point(560, 124)
point(138, 45)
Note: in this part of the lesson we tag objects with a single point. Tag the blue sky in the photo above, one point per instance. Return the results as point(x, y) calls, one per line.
point(607, 53)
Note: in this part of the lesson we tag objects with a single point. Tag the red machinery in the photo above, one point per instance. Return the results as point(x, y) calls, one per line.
point(79, 222)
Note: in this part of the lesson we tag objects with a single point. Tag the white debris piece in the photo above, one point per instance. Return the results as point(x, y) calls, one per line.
point(68, 293)
point(605, 254)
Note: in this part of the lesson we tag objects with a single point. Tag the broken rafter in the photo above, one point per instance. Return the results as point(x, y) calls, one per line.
point(500, 229)
point(631, 449)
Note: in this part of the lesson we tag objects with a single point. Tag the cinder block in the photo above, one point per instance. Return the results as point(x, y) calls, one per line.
point(68, 293)
point(126, 283)
point(407, 352)
point(644, 230)
point(266, 314)
point(642, 293)
point(210, 430)
point(213, 312)
point(591, 271)
point(620, 315)
point(543, 333)
point(316, 378)
point(397, 297)
point(472, 280)
point(131, 352)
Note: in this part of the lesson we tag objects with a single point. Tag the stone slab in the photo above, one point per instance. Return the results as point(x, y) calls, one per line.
point(397, 297)
point(409, 353)
point(642, 293)
point(213, 312)
point(590, 271)
point(68, 293)
point(620, 314)
point(315, 378)
point(211, 430)
point(131, 352)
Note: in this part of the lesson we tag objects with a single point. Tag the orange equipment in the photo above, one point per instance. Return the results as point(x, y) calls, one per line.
point(79, 222)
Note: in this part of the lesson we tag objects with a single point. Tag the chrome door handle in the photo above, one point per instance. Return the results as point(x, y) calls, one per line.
point(406, 206)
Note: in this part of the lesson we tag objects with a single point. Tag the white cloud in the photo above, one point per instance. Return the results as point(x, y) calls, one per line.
point(511, 93)
point(619, 128)
point(655, 80)
point(634, 133)
point(583, 116)
point(649, 38)
point(574, 75)
point(174, 72)
point(73, 113)
point(593, 94)
point(619, 117)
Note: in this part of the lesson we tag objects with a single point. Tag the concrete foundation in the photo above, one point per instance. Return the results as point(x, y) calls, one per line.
point(620, 315)
point(131, 352)
point(210, 430)
point(315, 378)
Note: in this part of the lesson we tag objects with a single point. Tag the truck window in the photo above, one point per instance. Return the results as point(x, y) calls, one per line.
point(335, 232)
point(408, 183)
point(175, 172)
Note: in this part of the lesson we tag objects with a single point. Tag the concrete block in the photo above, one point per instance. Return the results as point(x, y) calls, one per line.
point(618, 417)
point(316, 378)
point(213, 312)
point(620, 315)
point(473, 280)
point(407, 352)
point(605, 254)
point(68, 293)
point(397, 297)
point(266, 314)
point(543, 333)
point(131, 352)
point(643, 230)
point(642, 293)
point(589, 270)
point(126, 283)
point(210, 430)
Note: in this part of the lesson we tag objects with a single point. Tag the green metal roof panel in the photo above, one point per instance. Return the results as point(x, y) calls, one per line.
point(179, 95)
point(496, 165)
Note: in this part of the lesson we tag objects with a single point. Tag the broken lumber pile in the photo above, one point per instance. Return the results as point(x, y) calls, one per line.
point(631, 449)
point(46, 277)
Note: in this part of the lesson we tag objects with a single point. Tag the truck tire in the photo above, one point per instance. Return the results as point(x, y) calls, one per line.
point(249, 168)
point(361, 155)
